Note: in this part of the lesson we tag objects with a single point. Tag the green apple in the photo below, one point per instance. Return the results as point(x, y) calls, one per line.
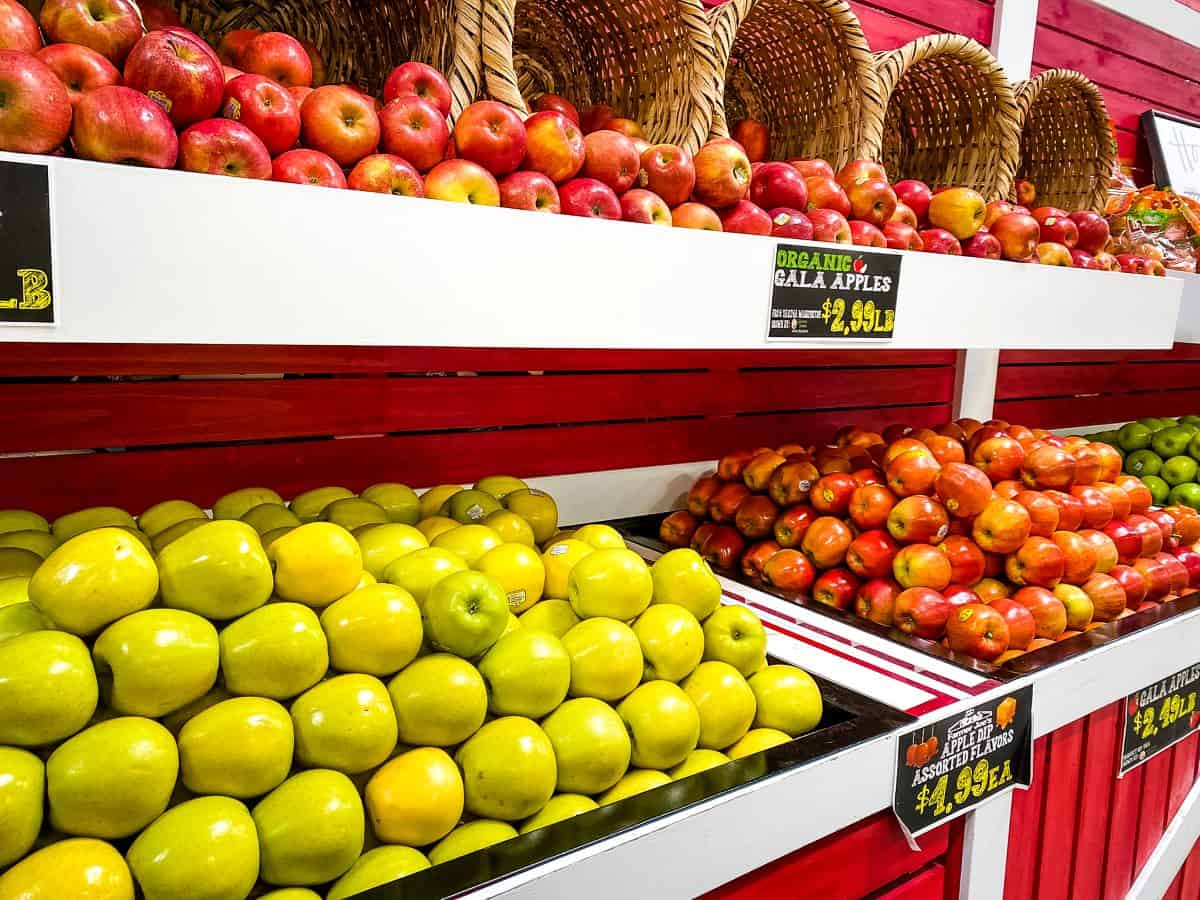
point(1159, 489)
point(725, 703)
point(17, 562)
point(554, 616)
point(468, 541)
point(682, 577)
point(1194, 447)
point(1134, 436)
point(346, 723)
point(354, 512)
point(1190, 420)
point(310, 828)
point(699, 760)
point(157, 660)
point(788, 700)
point(48, 688)
point(270, 516)
point(613, 582)
point(113, 779)
point(161, 516)
point(376, 629)
point(207, 846)
point(22, 787)
point(308, 505)
point(375, 867)
point(381, 545)
point(500, 486)
point(527, 674)
point(21, 618)
point(1171, 441)
point(40, 542)
point(591, 745)
point(1187, 494)
point(241, 747)
point(471, 837)
point(1179, 470)
point(168, 536)
point(1143, 463)
point(277, 651)
point(14, 591)
point(508, 769)
point(399, 501)
point(672, 641)
point(74, 868)
point(757, 739)
point(606, 659)
point(734, 634)
point(237, 503)
point(470, 507)
point(417, 572)
point(663, 723)
point(559, 808)
point(440, 700)
point(465, 613)
point(636, 781)
point(602, 537)
point(94, 579)
point(21, 520)
point(76, 523)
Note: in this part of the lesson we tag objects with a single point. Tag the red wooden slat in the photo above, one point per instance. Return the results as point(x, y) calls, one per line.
point(970, 17)
point(1173, 891)
point(1024, 829)
point(1122, 828)
point(1190, 883)
point(58, 484)
point(928, 884)
point(1061, 811)
point(887, 32)
point(851, 863)
point(1183, 775)
point(764, 391)
point(1018, 382)
point(1063, 412)
point(1156, 784)
point(1101, 739)
point(1042, 357)
point(32, 360)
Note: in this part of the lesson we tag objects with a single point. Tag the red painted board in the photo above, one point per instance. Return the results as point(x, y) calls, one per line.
point(970, 17)
point(1067, 379)
point(1043, 357)
point(57, 484)
point(855, 861)
point(887, 32)
point(1061, 810)
point(1025, 827)
point(928, 884)
point(1122, 825)
point(1162, 376)
point(1062, 412)
point(1189, 886)
point(1183, 775)
point(1101, 739)
point(1156, 784)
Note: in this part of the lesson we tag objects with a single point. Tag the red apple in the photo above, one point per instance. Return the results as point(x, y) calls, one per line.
point(696, 216)
point(158, 14)
point(790, 223)
point(266, 108)
point(554, 145)
point(755, 517)
point(1025, 191)
point(745, 217)
point(1107, 596)
point(859, 170)
point(1177, 572)
point(1105, 261)
point(1191, 562)
point(938, 240)
point(1002, 527)
point(556, 103)
point(872, 201)
point(1097, 507)
point(754, 560)
point(1105, 549)
point(668, 170)
point(812, 168)
point(922, 612)
point(462, 181)
point(995, 210)
point(279, 57)
point(18, 28)
point(639, 205)
point(901, 236)
point(876, 600)
point(676, 529)
point(416, 79)
point(589, 198)
point(826, 541)
point(966, 559)
point(1018, 236)
point(339, 122)
point(778, 184)
point(836, 588)
point(790, 570)
point(999, 458)
point(597, 117)
point(977, 630)
point(1070, 510)
point(1051, 254)
point(627, 127)
point(110, 27)
point(80, 68)
point(722, 173)
point(912, 472)
point(1042, 213)
point(830, 226)
point(1081, 259)
point(223, 147)
point(234, 43)
point(383, 173)
point(1132, 582)
point(35, 109)
point(723, 547)
point(119, 124)
point(982, 245)
point(870, 505)
point(918, 520)
point(413, 129)
point(178, 71)
point(307, 167)
point(1049, 614)
point(755, 137)
point(921, 565)
point(1048, 467)
point(1020, 622)
point(825, 193)
point(960, 595)
point(916, 196)
point(491, 135)
point(1057, 227)
point(1092, 229)
point(870, 555)
point(864, 234)
point(905, 215)
point(1037, 561)
point(1156, 576)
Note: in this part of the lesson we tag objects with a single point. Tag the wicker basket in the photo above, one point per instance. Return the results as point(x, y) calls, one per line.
point(644, 57)
point(951, 115)
point(802, 67)
point(1066, 145)
point(361, 41)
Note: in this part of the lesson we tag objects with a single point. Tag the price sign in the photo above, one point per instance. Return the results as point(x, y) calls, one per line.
point(1158, 716)
point(833, 293)
point(945, 768)
point(26, 284)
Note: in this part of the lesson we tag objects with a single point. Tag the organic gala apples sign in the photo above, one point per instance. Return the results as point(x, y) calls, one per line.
point(819, 293)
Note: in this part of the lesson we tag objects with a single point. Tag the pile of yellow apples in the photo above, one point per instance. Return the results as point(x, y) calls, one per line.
point(333, 693)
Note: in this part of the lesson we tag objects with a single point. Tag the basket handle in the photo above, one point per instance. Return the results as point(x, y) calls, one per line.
point(464, 72)
point(500, 80)
point(707, 84)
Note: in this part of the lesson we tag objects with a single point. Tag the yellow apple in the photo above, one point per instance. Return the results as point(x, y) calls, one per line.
point(613, 582)
point(21, 520)
point(353, 513)
point(22, 787)
point(376, 630)
point(432, 526)
point(310, 828)
point(527, 674)
point(606, 659)
point(508, 769)
point(756, 739)
point(21, 618)
point(663, 723)
point(699, 760)
point(308, 505)
point(788, 700)
point(519, 570)
point(237, 503)
point(470, 506)
point(558, 560)
point(591, 745)
point(40, 542)
point(241, 747)
point(511, 527)
point(535, 507)
point(636, 781)
point(77, 868)
point(465, 613)
point(269, 517)
point(176, 720)
point(419, 571)
point(168, 536)
point(559, 808)
point(554, 616)
point(471, 837)
point(346, 723)
point(725, 703)
point(162, 516)
point(440, 700)
point(735, 635)
point(316, 563)
point(500, 486)
point(382, 865)
point(399, 501)
point(432, 500)
point(14, 591)
point(416, 798)
point(277, 651)
point(468, 541)
point(48, 688)
point(1078, 604)
point(76, 523)
point(671, 639)
point(682, 577)
point(602, 537)
point(290, 894)
point(384, 544)
point(219, 571)
point(961, 211)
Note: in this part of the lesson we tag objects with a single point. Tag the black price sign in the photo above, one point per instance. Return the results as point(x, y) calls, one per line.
point(833, 293)
point(1158, 716)
point(26, 285)
point(945, 768)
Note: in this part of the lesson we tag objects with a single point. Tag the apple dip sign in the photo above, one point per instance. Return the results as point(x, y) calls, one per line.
point(819, 293)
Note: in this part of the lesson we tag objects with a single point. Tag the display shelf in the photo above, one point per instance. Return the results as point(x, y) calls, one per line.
point(175, 257)
point(1187, 329)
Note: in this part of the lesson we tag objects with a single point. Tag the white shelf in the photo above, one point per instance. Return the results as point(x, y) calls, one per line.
point(1187, 330)
point(144, 256)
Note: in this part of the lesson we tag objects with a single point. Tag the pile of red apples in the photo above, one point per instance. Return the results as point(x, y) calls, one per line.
point(991, 538)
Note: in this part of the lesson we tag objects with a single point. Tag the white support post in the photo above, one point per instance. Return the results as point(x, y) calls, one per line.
point(975, 383)
point(985, 850)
